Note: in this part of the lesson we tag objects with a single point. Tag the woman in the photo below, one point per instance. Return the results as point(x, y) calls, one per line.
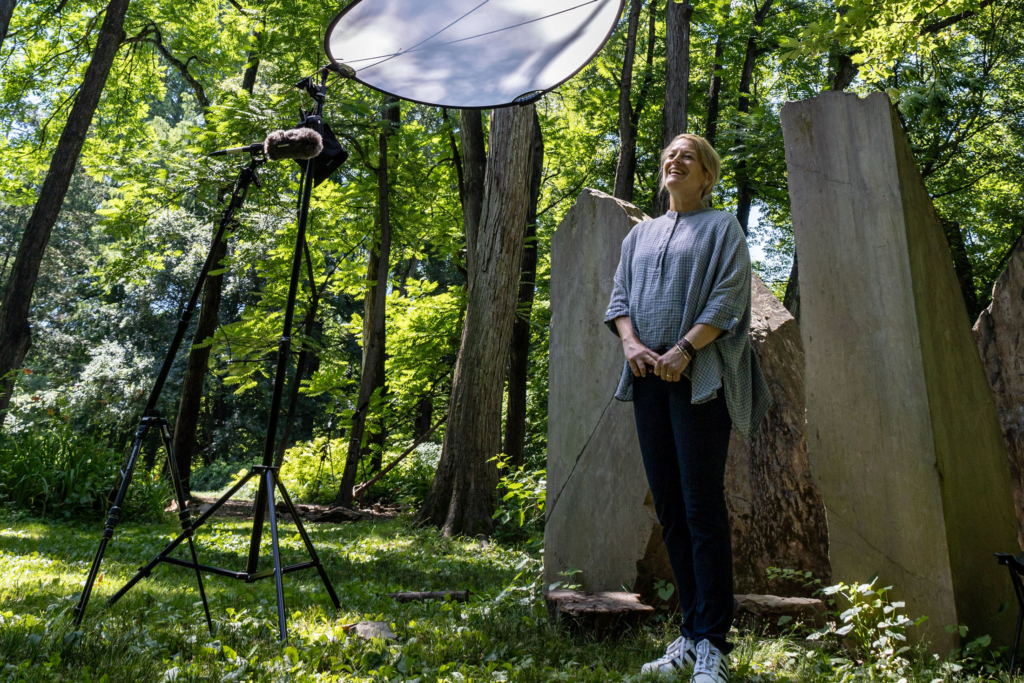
point(681, 305)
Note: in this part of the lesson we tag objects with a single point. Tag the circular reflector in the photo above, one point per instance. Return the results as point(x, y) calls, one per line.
point(469, 54)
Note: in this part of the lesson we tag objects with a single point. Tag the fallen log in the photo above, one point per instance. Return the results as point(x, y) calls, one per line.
point(415, 596)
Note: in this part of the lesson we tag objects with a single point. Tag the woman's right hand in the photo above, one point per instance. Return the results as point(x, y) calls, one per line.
point(637, 355)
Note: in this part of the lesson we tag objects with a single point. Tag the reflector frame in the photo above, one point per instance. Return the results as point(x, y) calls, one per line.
point(469, 54)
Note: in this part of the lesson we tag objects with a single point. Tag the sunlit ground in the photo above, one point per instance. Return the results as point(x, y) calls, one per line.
point(157, 632)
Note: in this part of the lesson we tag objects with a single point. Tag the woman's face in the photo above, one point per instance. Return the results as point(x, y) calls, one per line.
point(684, 174)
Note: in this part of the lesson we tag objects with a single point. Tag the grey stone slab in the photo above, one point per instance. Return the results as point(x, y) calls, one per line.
point(596, 523)
point(903, 437)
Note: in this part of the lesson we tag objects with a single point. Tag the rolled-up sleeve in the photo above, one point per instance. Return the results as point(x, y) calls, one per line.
point(619, 304)
point(730, 295)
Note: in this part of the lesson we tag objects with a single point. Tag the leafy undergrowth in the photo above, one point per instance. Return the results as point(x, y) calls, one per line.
point(157, 632)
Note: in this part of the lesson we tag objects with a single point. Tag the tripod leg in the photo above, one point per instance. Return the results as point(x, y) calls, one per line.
point(113, 517)
point(278, 575)
point(259, 513)
point(145, 571)
point(184, 515)
point(309, 545)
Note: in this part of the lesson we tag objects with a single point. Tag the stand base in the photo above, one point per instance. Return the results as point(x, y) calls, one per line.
point(272, 483)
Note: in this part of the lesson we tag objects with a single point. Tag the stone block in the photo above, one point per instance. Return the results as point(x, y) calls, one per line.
point(600, 515)
point(604, 614)
point(903, 436)
point(999, 333)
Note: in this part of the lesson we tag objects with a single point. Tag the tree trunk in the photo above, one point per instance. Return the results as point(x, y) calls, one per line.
point(626, 167)
point(714, 93)
point(677, 80)
point(375, 442)
point(424, 415)
point(253, 66)
point(373, 316)
point(6, 11)
point(189, 404)
point(300, 372)
point(519, 356)
point(15, 333)
point(461, 497)
point(474, 170)
point(744, 194)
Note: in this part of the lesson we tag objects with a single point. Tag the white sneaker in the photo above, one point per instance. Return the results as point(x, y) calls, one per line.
point(678, 655)
point(711, 666)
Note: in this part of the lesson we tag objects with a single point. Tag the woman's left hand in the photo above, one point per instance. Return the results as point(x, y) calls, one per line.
point(671, 365)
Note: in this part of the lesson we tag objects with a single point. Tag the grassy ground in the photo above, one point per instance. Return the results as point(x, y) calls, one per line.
point(157, 633)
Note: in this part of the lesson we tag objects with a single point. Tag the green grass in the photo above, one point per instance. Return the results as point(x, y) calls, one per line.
point(157, 632)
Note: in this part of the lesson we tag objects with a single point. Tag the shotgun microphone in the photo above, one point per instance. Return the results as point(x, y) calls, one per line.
point(296, 143)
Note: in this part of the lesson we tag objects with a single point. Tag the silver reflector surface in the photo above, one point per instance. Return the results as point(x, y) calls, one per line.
point(469, 53)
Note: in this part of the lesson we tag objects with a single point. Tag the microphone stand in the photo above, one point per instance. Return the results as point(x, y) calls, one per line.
point(151, 417)
point(268, 474)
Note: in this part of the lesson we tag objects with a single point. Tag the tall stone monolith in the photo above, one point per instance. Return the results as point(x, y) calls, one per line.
point(600, 517)
point(903, 436)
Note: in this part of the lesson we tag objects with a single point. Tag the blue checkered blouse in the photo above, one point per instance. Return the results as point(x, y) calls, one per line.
point(688, 268)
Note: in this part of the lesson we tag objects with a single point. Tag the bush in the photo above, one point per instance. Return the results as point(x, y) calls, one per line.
point(312, 472)
point(59, 473)
point(523, 492)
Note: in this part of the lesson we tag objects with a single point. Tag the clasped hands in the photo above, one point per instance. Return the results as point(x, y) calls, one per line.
point(668, 367)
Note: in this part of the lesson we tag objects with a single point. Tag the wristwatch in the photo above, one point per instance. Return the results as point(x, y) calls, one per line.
point(687, 349)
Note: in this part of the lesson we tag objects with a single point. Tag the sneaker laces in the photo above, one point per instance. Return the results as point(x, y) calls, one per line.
point(672, 652)
point(708, 658)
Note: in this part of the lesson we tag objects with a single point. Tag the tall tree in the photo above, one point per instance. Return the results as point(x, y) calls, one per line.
point(519, 354)
point(714, 92)
point(677, 79)
point(15, 333)
point(461, 497)
point(626, 167)
point(744, 193)
point(6, 11)
point(190, 402)
point(372, 376)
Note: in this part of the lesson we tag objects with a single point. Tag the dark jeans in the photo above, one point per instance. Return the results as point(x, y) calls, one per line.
point(684, 448)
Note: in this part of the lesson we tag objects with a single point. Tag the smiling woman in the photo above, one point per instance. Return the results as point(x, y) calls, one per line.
point(681, 305)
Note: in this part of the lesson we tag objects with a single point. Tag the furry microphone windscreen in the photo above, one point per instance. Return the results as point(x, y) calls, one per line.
point(296, 143)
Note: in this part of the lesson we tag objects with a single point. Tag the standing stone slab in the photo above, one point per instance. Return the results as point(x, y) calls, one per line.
point(776, 512)
point(596, 484)
point(903, 435)
point(999, 333)
point(600, 514)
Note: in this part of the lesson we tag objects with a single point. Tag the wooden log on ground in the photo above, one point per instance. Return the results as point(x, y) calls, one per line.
point(604, 613)
point(421, 596)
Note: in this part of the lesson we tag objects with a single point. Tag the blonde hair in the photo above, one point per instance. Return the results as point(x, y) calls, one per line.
point(706, 155)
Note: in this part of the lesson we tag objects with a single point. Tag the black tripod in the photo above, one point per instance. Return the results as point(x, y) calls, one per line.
point(268, 474)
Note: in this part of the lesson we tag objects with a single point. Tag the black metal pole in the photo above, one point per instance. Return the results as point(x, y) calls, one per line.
point(283, 348)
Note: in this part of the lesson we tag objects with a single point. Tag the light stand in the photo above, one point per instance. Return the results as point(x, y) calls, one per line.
point(268, 474)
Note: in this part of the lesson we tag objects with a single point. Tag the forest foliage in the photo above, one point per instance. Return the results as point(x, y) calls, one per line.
point(145, 198)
